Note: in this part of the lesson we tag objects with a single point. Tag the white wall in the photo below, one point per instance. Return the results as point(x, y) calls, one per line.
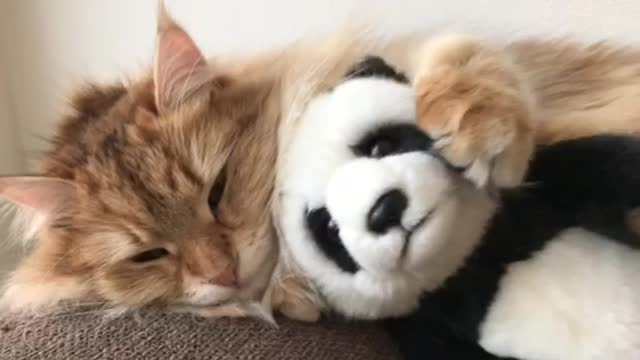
point(11, 154)
point(11, 160)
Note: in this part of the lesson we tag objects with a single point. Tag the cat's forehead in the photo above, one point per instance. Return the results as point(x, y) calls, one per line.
point(117, 126)
point(137, 169)
point(120, 163)
point(96, 119)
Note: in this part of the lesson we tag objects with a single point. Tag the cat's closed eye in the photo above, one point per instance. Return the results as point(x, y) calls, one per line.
point(150, 255)
point(216, 193)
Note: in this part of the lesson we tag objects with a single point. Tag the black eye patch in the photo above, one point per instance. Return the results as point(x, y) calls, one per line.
point(327, 237)
point(392, 140)
point(374, 66)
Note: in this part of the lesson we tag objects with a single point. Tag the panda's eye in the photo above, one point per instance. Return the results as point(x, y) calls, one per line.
point(325, 233)
point(321, 223)
point(381, 148)
point(391, 140)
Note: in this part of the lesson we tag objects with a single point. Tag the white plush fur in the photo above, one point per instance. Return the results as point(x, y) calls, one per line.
point(579, 298)
point(321, 170)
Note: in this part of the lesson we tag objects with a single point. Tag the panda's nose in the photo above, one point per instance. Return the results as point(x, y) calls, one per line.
point(387, 211)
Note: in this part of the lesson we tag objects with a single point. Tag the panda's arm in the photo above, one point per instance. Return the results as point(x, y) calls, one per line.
point(594, 181)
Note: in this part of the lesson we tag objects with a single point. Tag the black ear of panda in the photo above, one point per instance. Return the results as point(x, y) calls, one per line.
point(375, 66)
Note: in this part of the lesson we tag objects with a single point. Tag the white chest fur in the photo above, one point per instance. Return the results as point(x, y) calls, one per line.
point(578, 299)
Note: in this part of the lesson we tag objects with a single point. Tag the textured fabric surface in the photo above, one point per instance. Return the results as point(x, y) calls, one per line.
point(153, 335)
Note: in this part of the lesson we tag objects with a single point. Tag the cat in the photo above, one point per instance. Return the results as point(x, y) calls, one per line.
point(155, 192)
point(162, 191)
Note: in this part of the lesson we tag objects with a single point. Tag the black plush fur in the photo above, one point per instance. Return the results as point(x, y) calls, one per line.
point(327, 237)
point(392, 139)
point(375, 66)
point(591, 183)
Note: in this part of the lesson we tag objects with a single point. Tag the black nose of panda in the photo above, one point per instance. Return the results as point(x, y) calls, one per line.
point(387, 212)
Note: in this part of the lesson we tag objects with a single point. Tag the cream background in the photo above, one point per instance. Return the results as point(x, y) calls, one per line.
point(48, 46)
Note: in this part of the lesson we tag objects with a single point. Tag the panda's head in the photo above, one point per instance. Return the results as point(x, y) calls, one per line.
point(372, 216)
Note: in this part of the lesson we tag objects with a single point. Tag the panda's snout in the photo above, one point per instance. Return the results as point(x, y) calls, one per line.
point(387, 211)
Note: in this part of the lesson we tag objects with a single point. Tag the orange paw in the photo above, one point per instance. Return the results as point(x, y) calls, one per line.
point(293, 297)
point(471, 100)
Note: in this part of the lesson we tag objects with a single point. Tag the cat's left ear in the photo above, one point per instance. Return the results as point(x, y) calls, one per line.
point(180, 71)
point(42, 194)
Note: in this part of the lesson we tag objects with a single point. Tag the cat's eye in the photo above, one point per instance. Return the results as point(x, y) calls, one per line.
point(216, 192)
point(150, 255)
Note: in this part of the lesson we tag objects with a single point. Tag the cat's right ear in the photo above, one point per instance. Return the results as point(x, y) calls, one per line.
point(180, 70)
point(44, 195)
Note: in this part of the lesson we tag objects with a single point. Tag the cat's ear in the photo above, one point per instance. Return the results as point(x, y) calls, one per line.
point(180, 71)
point(42, 194)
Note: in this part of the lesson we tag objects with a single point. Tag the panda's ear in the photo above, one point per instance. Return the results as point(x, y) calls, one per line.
point(375, 66)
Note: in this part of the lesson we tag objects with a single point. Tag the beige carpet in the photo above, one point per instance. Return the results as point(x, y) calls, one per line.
point(154, 335)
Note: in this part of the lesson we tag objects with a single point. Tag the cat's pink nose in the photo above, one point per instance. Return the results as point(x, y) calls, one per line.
point(226, 278)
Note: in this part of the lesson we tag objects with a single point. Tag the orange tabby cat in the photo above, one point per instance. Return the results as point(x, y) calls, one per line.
point(156, 192)
point(161, 191)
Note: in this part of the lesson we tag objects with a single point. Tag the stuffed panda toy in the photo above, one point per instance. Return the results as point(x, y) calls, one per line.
point(386, 229)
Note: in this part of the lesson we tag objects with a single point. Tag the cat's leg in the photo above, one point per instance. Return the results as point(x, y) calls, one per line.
point(292, 296)
point(472, 100)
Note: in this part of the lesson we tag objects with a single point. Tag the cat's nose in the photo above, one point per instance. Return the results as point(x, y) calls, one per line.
point(387, 211)
point(225, 278)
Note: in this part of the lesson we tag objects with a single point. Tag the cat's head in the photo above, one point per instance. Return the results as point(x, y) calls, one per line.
point(155, 192)
point(370, 213)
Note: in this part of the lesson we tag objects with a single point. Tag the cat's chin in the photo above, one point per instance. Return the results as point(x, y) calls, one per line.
point(209, 295)
point(214, 295)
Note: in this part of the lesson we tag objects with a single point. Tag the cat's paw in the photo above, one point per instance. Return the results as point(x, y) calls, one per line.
point(472, 101)
point(293, 297)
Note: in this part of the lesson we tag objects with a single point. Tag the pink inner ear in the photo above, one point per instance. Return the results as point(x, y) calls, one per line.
point(180, 69)
point(42, 194)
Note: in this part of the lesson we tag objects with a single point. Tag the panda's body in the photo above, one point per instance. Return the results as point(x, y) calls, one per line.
point(555, 276)
point(387, 230)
